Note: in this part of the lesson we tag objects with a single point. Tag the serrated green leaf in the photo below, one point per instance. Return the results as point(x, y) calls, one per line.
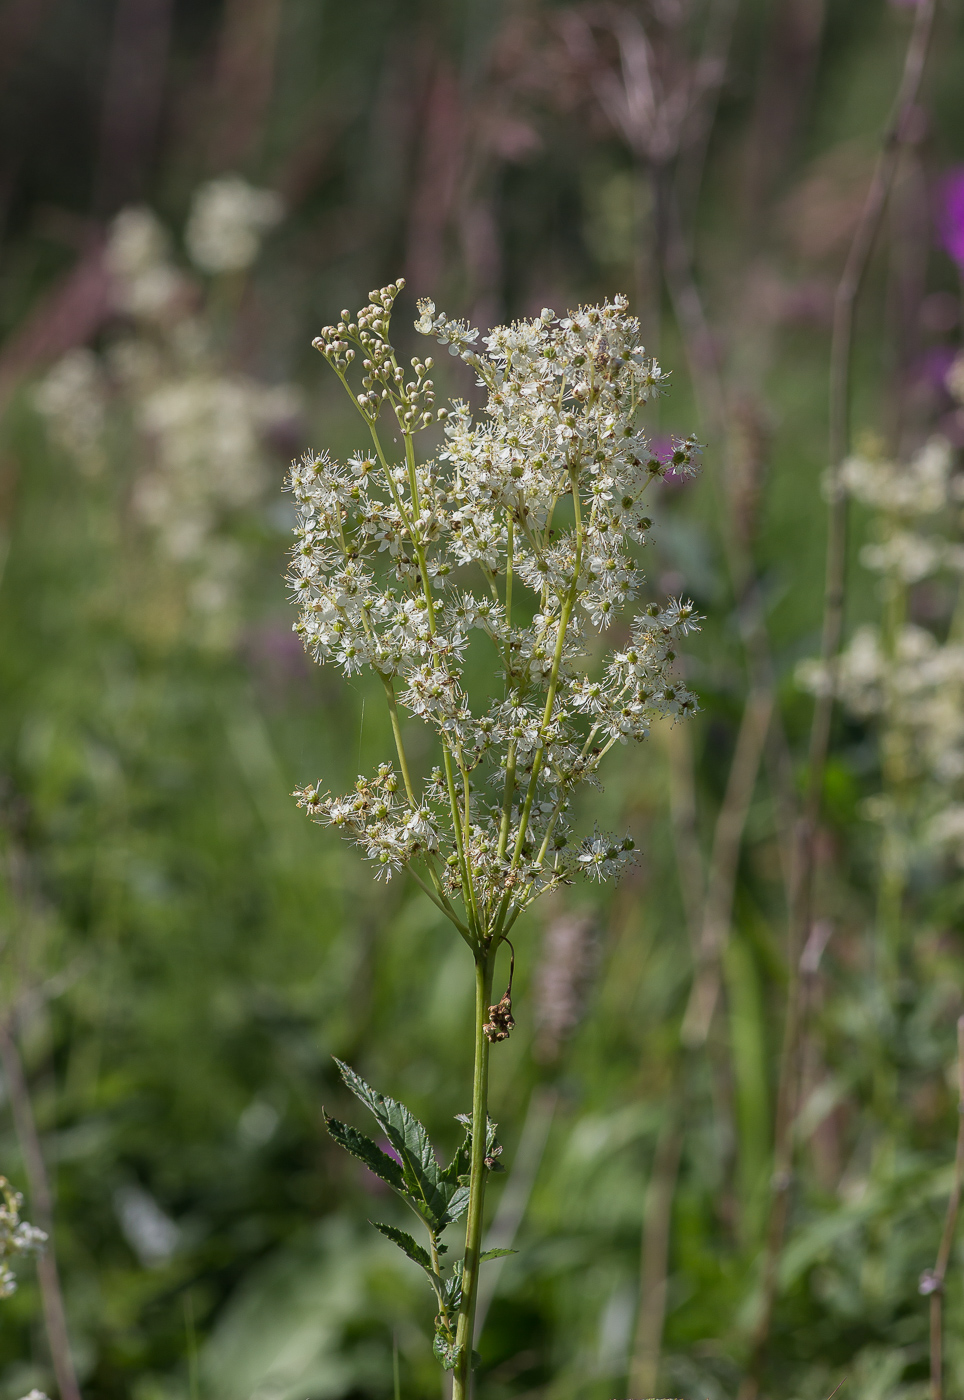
point(411, 1247)
point(366, 1151)
point(460, 1163)
point(495, 1254)
point(458, 1202)
point(492, 1145)
point(452, 1293)
point(424, 1184)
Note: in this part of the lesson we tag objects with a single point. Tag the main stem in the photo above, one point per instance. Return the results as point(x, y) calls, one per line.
point(462, 1377)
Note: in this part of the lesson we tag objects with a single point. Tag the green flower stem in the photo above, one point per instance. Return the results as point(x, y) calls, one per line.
point(397, 732)
point(462, 1377)
point(550, 698)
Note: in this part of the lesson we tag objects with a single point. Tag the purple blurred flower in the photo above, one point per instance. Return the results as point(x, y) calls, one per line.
point(389, 1150)
point(950, 214)
point(930, 368)
point(662, 448)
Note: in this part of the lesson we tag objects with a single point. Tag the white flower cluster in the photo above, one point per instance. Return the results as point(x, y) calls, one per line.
point(900, 675)
point(227, 222)
point(900, 493)
point(519, 530)
point(202, 427)
point(73, 400)
point(146, 284)
point(17, 1237)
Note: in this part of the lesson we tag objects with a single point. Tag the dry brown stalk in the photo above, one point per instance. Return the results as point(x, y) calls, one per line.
point(654, 1261)
point(244, 81)
point(721, 884)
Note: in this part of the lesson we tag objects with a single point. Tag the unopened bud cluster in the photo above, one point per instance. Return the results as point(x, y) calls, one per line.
point(518, 529)
point(384, 381)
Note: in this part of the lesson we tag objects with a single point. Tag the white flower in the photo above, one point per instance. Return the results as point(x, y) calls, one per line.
point(72, 397)
point(228, 220)
point(908, 555)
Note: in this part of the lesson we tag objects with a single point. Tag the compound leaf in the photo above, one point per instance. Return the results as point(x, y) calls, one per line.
point(423, 1183)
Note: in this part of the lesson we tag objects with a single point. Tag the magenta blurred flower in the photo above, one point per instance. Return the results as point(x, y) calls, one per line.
point(662, 447)
point(930, 368)
point(950, 213)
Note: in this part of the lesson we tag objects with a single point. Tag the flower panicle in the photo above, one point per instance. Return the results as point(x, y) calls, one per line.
point(520, 531)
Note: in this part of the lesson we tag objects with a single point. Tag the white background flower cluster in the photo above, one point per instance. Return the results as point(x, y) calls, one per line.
point(202, 426)
point(902, 676)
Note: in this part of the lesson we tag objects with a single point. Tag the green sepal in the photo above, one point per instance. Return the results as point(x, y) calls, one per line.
point(362, 1147)
point(406, 1244)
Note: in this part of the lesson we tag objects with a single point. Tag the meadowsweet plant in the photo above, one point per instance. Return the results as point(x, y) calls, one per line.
point(518, 529)
point(904, 679)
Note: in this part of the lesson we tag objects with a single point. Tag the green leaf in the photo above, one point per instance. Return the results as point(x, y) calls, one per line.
point(423, 1182)
point(445, 1351)
point(457, 1169)
point(460, 1163)
point(492, 1145)
point(405, 1243)
point(458, 1202)
point(452, 1294)
point(366, 1151)
point(495, 1254)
